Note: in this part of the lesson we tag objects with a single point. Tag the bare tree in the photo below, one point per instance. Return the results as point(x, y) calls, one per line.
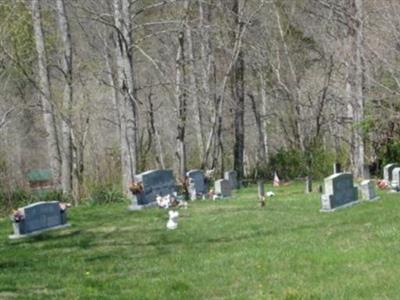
point(45, 93)
point(128, 106)
point(66, 119)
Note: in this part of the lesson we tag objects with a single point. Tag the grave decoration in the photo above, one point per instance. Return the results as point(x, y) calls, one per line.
point(173, 220)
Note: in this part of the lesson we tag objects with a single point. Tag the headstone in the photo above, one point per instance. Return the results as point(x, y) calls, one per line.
point(192, 189)
point(39, 217)
point(368, 190)
point(387, 172)
point(154, 183)
point(231, 176)
point(222, 188)
point(339, 192)
point(395, 183)
point(337, 168)
point(199, 186)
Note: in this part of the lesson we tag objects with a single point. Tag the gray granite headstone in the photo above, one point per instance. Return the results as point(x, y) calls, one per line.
point(387, 172)
point(339, 192)
point(197, 177)
point(231, 176)
point(222, 188)
point(368, 190)
point(39, 217)
point(395, 183)
point(154, 182)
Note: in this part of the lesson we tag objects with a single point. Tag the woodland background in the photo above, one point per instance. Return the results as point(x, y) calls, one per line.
point(99, 90)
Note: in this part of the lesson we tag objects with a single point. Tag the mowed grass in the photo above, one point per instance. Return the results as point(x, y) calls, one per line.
point(227, 249)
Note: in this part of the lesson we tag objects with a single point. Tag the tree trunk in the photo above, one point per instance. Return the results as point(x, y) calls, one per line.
point(238, 84)
point(264, 110)
point(357, 84)
point(45, 94)
point(261, 152)
point(181, 98)
point(128, 105)
point(66, 172)
point(198, 118)
point(156, 135)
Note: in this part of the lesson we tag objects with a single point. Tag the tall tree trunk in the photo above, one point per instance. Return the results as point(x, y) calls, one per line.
point(238, 83)
point(357, 84)
point(264, 120)
point(128, 105)
point(45, 93)
point(156, 135)
point(195, 99)
point(181, 98)
point(261, 152)
point(66, 172)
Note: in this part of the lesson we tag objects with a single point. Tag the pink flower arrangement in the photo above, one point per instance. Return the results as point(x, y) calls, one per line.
point(64, 206)
point(17, 216)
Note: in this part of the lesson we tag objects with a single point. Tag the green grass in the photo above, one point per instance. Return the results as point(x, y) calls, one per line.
point(229, 249)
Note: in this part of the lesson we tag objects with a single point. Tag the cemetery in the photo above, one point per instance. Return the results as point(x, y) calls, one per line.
point(236, 149)
point(106, 248)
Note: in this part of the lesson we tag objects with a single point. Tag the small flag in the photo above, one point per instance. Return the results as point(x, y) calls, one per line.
point(276, 180)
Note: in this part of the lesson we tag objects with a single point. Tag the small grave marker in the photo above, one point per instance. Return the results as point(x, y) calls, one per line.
point(368, 190)
point(231, 176)
point(222, 188)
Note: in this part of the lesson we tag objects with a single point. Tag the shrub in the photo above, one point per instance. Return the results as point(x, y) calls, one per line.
point(105, 194)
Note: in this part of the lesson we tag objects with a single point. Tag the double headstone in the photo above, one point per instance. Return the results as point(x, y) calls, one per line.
point(387, 172)
point(368, 190)
point(222, 188)
point(339, 192)
point(154, 183)
point(37, 218)
point(197, 186)
point(231, 176)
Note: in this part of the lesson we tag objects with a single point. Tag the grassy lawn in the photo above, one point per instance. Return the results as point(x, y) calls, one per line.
point(229, 249)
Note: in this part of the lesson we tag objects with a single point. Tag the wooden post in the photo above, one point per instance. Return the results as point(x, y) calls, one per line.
point(261, 193)
point(308, 184)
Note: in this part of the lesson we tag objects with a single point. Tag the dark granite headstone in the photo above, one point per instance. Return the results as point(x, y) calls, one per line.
point(38, 217)
point(197, 179)
point(339, 192)
point(231, 176)
point(222, 188)
point(154, 182)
